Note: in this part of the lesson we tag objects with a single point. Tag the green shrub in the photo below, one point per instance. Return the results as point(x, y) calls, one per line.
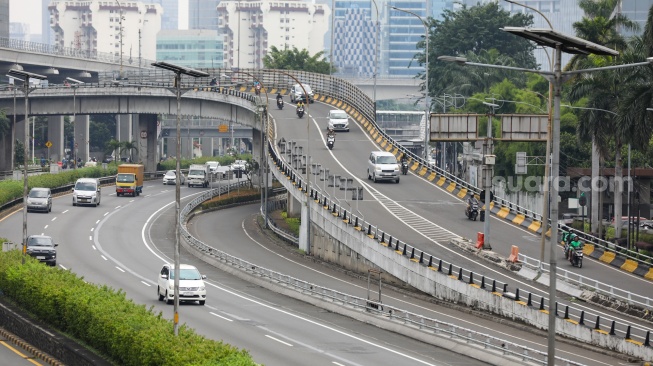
point(13, 189)
point(103, 318)
point(293, 223)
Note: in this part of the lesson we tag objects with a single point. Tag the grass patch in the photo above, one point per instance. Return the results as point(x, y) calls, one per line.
point(293, 223)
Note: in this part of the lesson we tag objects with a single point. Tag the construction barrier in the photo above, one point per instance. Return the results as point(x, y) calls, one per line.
point(480, 240)
point(514, 254)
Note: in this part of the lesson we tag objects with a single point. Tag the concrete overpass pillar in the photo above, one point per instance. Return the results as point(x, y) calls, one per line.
point(56, 137)
point(303, 230)
point(207, 146)
point(293, 208)
point(146, 141)
point(82, 136)
point(123, 129)
point(6, 146)
point(20, 129)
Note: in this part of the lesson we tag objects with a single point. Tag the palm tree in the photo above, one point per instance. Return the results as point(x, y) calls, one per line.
point(113, 146)
point(602, 24)
point(129, 147)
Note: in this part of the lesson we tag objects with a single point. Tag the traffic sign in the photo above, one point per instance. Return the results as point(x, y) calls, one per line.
point(48, 144)
point(223, 128)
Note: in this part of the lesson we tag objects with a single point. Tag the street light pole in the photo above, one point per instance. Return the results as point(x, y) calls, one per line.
point(488, 164)
point(263, 115)
point(308, 162)
point(26, 76)
point(120, 26)
point(74, 85)
point(426, 81)
point(178, 70)
point(377, 27)
point(560, 42)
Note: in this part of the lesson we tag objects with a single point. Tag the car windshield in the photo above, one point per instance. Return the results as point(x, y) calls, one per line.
point(171, 173)
point(386, 160)
point(186, 274)
point(338, 115)
point(40, 242)
point(196, 172)
point(125, 178)
point(38, 193)
point(85, 186)
point(299, 89)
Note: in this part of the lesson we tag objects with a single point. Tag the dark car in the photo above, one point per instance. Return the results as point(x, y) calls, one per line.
point(42, 248)
point(39, 199)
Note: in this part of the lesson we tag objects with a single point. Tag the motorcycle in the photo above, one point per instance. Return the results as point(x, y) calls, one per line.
point(404, 167)
point(300, 112)
point(280, 103)
point(472, 211)
point(257, 89)
point(576, 258)
point(331, 140)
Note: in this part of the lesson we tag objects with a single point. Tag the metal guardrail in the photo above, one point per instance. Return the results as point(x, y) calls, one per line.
point(18, 201)
point(56, 50)
point(395, 315)
point(422, 258)
point(588, 283)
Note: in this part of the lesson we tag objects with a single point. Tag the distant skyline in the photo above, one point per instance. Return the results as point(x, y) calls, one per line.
point(29, 11)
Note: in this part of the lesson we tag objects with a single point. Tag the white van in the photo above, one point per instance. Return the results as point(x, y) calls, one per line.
point(382, 165)
point(87, 192)
point(198, 175)
point(213, 166)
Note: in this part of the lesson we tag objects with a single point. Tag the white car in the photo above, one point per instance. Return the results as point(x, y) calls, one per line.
point(238, 165)
point(191, 284)
point(171, 177)
point(297, 93)
point(338, 120)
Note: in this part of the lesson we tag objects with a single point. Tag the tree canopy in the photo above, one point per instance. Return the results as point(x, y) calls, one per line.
point(294, 59)
point(475, 31)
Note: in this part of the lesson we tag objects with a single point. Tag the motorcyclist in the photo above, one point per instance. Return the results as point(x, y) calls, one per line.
point(471, 200)
point(279, 97)
point(574, 246)
point(403, 159)
point(569, 238)
point(300, 104)
point(331, 133)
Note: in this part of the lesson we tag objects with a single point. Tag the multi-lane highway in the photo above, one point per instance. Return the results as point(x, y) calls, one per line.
point(426, 216)
point(123, 243)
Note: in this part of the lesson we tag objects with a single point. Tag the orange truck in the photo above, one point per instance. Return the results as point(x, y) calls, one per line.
point(129, 180)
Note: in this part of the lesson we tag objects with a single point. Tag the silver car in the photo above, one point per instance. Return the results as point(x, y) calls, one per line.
point(39, 199)
point(171, 177)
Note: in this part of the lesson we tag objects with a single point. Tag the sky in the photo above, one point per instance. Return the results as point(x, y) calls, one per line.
point(29, 11)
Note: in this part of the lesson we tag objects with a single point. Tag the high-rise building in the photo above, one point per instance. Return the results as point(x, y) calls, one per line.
point(19, 31)
point(106, 26)
point(195, 48)
point(355, 40)
point(47, 35)
point(202, 14)
point(4, 18)
point(170, 17)
point(252, 27)
point(636, 10)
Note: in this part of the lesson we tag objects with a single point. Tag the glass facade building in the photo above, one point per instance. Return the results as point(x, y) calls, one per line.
point(195, 48)
point(202, 14)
